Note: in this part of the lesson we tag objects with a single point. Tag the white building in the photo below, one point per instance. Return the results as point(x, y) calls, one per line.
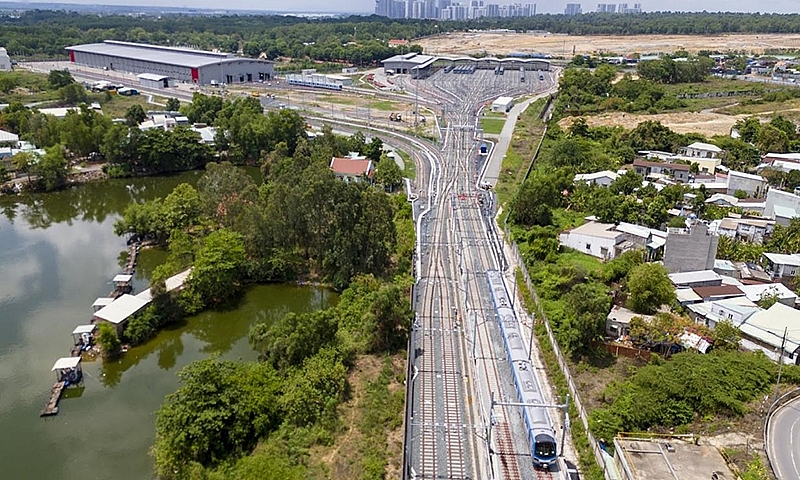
point(699, 278)
point(782, 206)
point(502, 104)
point(603, 178)
point(735, 310)
point(754, 185)
point(783, 266)
point(5, 60)
point(767, 327)
point(701, 150)
point(759, 291)
point(593, 238)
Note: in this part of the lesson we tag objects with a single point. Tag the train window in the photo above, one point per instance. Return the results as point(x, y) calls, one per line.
point(545, 449)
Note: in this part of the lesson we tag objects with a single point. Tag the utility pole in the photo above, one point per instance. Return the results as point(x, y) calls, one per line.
point(780, 362)
point(416, 103)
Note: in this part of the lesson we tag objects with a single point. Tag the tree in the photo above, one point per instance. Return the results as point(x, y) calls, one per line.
point(221, 410)
point(135, 115)
point(295, 337)
point(173, 104)
point(23, 162)
point(649, 288)
point(588, 305)
point(388, 174)
point(59, 78)
point(218, 267)
point(740, 194)
point(72, 94)
point(748, 129)
point(107, 339)
point(772, 140)
point(627, 183)
point(52, 168)
point(726, 336)
point(314, 391)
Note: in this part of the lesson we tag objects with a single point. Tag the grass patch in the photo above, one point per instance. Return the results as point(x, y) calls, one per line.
point(409, 167)
point(335, 99)
point(370, 442)
point(116, 107)
point(384, 105)
point(748, 108)
point(589, 467)
point(492, 125)
point(527, 133)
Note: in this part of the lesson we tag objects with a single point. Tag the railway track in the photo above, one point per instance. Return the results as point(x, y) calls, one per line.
point(447, 436)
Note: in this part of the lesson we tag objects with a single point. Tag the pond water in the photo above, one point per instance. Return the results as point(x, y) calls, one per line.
point(58, 253)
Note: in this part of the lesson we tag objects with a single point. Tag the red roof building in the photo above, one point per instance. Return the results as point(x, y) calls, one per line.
point(397, 42)
point(352, 169)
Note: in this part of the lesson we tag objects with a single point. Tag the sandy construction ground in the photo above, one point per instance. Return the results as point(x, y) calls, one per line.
point(706, 123)
point(563, 45)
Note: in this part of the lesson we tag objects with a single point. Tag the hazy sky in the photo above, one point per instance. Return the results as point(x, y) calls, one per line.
point(545, 6)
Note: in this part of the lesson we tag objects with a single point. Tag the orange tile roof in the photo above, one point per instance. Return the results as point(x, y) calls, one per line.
point(349, 166)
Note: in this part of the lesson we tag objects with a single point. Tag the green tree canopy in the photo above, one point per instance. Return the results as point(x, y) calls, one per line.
point(649, 288)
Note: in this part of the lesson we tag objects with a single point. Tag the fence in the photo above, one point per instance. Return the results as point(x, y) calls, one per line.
point(562, 364)
point(628, 352)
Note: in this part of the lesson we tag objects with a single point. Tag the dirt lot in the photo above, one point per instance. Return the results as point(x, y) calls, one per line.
point(706, 123)
point(563, 45)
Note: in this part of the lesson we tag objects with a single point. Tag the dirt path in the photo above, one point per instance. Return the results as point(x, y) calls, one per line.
point(706, 123)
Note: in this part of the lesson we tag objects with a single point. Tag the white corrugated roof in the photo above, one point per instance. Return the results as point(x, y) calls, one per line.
point(183, 57)
point(84, 329)
point(784, 212)
point(66, 362)
point(121, 309)
point(769, 326)
point(756, 292)
point(783, 259)
point(122, 278)
point(102, 301)
point(734, 173)
point(597, 229)
point(152, 76)
point(503, 101)
point(8, 137)
point(684, 278)
point(705, 146)
point(594, 176)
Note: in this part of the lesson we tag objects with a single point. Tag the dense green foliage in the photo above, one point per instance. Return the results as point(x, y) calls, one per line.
point(674, 393)
point(223, 408)
point(107, 339)
point(667, 70)
point(649, 288)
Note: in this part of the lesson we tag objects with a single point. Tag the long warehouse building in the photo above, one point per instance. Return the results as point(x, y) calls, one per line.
point(181, 64)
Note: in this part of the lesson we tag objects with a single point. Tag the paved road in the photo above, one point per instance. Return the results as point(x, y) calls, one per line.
point(504, 139)
point(783, 440)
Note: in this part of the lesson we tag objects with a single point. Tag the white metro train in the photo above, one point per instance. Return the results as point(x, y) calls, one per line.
point(538, 426)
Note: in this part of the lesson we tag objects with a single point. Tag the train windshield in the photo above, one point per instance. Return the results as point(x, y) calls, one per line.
point(545, 449)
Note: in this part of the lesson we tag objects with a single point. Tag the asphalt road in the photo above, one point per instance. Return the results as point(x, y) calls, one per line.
point(783, 439)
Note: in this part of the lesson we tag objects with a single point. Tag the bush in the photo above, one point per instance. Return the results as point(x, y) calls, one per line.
point(107, 338)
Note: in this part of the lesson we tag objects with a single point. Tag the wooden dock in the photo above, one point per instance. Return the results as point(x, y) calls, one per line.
point(55, 395)
point(133, 252)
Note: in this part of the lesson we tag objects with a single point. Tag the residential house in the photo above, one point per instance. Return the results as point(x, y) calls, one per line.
point(721, 292)
point(603, 178)
point(637, 236)
point(735, 310)
point(353, 169)
point(618, 321)
point(701, 150)
point(8, 139)
point(690, 249)
point(704, 164)
point(753, 185)
point(766, 330)
point(781, 206)
point(648, 169)
point(7, 153)
point(759, 291)
point(748, 229)
point(722, 200)
point(698, 278)
point(785, 162)
point(726, 268)
point(593, 238)
point(780, 265)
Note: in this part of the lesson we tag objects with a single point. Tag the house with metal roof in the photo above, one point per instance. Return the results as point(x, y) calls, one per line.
point(352, 169)
point(118, 312)
point(766, 328)
point(780, 265)
point(181, 64)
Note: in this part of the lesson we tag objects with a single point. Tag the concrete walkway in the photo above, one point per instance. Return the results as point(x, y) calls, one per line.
point(504, 139)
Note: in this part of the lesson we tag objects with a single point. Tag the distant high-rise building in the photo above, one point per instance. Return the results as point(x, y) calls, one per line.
point(573, 9)
point(606, 8)
point(450, 10)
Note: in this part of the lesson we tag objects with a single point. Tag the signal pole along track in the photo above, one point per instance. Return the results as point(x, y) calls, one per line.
point(456, 352)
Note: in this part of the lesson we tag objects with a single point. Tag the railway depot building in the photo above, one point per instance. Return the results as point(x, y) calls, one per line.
point(181, 64)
